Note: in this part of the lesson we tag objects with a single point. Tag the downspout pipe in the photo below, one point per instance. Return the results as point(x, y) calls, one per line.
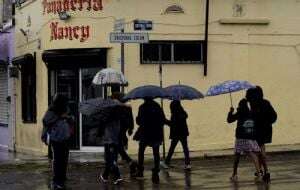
point(206, 38)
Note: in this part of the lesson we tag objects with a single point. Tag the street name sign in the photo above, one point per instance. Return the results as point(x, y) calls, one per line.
point(118, 37)
point(142, 25)
point(119, 24)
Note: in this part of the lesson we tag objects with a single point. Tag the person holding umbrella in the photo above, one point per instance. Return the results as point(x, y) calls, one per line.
point(111, 140)
point(178, 132)
point(127, 125)
point(265, 116)
point(245, 137)
point(150, 119)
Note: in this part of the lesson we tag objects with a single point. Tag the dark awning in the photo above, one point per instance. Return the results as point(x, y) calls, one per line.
point(72, 58)
point(23, 60)
point(3, 63)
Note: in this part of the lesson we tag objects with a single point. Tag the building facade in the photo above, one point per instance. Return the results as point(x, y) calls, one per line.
point(6, 55)
point(61, 44)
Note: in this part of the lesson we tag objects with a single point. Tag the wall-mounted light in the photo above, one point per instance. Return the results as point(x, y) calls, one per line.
point(63, 15)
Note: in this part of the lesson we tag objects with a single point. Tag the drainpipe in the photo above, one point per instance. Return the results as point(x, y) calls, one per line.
point(206, 38)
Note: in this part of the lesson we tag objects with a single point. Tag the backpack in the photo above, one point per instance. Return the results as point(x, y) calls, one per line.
point(247, 129)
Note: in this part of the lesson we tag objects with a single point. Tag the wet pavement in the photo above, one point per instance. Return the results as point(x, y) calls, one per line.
point(207, 173)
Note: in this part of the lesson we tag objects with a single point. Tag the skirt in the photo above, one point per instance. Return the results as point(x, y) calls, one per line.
point(245, 145)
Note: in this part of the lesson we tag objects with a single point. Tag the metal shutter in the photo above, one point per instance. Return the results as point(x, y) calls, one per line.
point(3, 96)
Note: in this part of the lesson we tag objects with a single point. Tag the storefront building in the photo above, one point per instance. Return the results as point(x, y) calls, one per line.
point(6, 54)
point(61, 44)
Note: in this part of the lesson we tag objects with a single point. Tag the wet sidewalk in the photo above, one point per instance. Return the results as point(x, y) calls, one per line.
point(210, 173)
point(206, 173)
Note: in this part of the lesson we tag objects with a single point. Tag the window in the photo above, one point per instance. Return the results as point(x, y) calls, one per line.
point(28, 77)
point(177, 52)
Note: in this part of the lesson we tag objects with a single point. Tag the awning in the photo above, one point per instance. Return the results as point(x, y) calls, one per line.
point(23, 60)
point(3, 63)
point(74, 58)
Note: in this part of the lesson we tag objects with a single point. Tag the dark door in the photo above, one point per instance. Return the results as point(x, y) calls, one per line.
point(65, 81)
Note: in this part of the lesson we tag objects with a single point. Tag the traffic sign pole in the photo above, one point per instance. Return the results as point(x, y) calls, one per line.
point(122, 61)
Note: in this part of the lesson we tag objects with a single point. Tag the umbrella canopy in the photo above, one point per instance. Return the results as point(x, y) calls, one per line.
point(147, 91)
point(109, 76)
point(228, 87)
point(97, 105)
point(183, 92)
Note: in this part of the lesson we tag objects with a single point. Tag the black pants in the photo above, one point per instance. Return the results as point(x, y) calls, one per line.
point(111, 158)
point(60, 161)
point(156, 157)
point(123, 153)
point(173, 145)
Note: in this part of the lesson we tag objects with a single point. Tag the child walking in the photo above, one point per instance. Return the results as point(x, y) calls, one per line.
point(178, 132)
point(245, 135)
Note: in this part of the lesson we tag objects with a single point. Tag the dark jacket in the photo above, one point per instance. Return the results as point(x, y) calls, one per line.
point(150, 119)
point(126, 123)
point(178, 125)
point(242, 114)
point(265, 116)
point(57, 127)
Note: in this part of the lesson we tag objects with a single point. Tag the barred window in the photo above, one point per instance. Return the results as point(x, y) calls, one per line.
point(176, 52)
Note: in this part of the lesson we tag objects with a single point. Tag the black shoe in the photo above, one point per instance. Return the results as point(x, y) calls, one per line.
point(267, 177)
point(155, 178)
point(138, 175)
point(133, 168)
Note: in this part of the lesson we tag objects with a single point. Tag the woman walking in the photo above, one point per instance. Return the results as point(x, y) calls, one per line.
point(178, 132)
point(57, 131)
point(245, 137)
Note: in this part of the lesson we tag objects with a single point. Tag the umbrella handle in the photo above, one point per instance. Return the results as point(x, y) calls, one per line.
point(230, 99)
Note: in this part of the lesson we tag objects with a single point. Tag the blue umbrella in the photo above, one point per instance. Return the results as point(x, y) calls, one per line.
point(228, 87)
point(183, 92)
point(147, 91)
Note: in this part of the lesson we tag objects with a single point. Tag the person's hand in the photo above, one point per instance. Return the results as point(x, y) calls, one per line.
point(231, 109)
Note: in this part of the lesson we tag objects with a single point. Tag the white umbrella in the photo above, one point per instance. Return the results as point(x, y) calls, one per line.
point(109, 76)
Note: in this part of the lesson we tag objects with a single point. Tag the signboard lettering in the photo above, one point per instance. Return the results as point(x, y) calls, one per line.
point(129, 37)
point(81, 33)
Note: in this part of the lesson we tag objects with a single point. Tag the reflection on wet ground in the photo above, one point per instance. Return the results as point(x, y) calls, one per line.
point(206, 174)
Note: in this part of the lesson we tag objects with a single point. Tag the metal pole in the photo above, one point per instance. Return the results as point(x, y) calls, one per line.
point(206, 38)
point(161, 100)
point(122, 61)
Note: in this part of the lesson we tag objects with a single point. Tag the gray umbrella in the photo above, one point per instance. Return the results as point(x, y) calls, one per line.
point(147, 91)
point(96, 105)
point(183, 92)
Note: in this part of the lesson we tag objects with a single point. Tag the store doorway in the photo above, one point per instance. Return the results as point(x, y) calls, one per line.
point(77, 85)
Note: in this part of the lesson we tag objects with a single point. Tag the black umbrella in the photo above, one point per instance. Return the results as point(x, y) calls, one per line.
point(97, 105)
point(147, 91)
point(183, 92)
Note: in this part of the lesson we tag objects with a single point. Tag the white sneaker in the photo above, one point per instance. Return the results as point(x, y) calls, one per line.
point(164, 165)
point(102, 179)
point(118, 181)
point(187, 167)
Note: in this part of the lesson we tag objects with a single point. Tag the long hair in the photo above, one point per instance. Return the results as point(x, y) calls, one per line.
point(176, 107)
point(59, 104)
